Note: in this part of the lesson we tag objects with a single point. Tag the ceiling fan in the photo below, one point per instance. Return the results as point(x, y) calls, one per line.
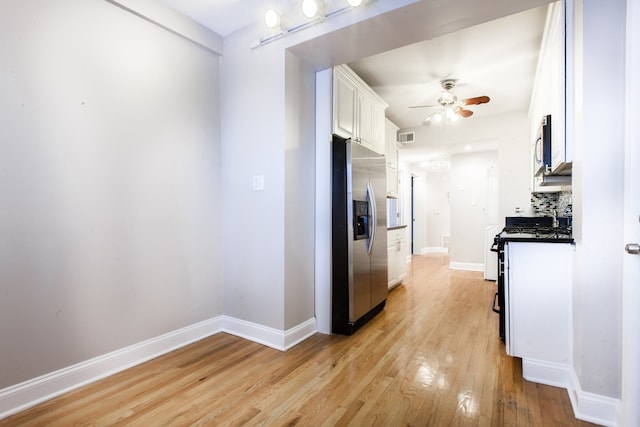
point(449, 107)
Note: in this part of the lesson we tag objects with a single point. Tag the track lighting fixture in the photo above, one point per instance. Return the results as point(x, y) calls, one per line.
point(315, 11)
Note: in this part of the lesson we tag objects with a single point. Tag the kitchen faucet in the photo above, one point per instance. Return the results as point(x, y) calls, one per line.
point(553, 214)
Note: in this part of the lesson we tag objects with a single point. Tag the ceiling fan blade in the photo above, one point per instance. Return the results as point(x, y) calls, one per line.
point(422, 106)
point(477, 100)
point(464, 113)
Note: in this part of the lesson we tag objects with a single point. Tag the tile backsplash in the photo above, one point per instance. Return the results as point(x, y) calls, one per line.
point(543, 203)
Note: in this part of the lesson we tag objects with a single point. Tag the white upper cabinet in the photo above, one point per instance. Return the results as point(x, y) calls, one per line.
point(391, 137)
point(358, 112)
point(344, 105)
point(553, 95)
point(391, 140)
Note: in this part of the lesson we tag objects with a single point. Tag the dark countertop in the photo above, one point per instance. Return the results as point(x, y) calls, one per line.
point(397, 227)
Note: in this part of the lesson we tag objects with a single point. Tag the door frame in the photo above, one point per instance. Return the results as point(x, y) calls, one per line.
point(630, 395)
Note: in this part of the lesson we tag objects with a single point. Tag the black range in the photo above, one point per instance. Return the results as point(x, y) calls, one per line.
point(525, 229)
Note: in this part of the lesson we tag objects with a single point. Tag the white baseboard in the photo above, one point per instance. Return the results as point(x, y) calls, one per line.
point(597, 409)
point(467, 266)
point(434, 250)
point(594, 408)
point(274, 338)
point(22, 396)
point(553, 374)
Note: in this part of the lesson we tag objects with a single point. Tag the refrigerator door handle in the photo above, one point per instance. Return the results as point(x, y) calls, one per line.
point(372, 204)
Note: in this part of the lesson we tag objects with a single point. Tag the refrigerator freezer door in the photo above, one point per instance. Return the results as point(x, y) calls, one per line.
point(379, 269)
point(359, 259)
point(360, 283)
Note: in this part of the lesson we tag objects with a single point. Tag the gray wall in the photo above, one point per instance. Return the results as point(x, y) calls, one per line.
point(253, 124)
point(438, 211)
point(598, 200)
point(299, 192)
point(506, 133)
point(469, 192)
point(109, 209)
point(109, 183)
point(269, 114)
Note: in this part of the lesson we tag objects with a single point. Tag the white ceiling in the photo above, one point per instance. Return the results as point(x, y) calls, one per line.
point(222, 16)
point(496, 58)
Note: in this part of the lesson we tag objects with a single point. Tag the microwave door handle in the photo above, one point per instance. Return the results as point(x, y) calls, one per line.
point(535, 151)
point(372, 209)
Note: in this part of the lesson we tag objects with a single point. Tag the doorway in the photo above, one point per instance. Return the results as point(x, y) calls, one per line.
point(412, 217)
point(631, 262)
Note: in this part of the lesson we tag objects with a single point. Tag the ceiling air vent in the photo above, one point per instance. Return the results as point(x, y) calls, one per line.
point(406, 137)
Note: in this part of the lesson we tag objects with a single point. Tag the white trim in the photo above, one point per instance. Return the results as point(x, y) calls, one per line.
point(594, 408)
point(271, 337)
point(21, 396)
point(630, 372)
point(467, 266)
point(434, 250)
point(27, 394)
point(172, 21)
point(322, 268)
point(553, 374)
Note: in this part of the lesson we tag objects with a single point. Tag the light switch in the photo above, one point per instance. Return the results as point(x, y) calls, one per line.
point(258, 182)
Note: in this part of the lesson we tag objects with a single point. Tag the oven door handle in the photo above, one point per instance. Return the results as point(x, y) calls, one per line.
point(495, 300)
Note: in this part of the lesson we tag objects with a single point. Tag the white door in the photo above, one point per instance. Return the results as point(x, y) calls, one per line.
point(631, 261)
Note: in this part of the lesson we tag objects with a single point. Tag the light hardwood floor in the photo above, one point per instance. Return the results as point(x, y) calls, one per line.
point(431, 358)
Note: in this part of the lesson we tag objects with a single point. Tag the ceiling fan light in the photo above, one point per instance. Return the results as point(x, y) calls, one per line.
point(354, 3)
point(451, 115)
point(437, 117)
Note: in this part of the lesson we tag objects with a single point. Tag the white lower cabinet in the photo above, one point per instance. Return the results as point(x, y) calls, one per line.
point(397, 256)
point(538, 306)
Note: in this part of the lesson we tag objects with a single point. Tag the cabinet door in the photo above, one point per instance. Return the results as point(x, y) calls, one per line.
point(370, 122)
point(392, 181)
point(391, 257)
point(391, 138)
point(402, 258)
point(537, 296)
point(366, 120)
point(344, 106)
point(378, 129)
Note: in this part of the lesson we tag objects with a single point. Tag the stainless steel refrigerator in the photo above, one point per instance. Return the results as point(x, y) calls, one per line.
point(359, 235)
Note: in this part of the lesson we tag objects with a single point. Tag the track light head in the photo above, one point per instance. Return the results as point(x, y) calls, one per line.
point(271, 18)
point(312, 8)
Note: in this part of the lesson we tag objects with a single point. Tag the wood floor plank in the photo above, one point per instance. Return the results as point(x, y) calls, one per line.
point(432, 357)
